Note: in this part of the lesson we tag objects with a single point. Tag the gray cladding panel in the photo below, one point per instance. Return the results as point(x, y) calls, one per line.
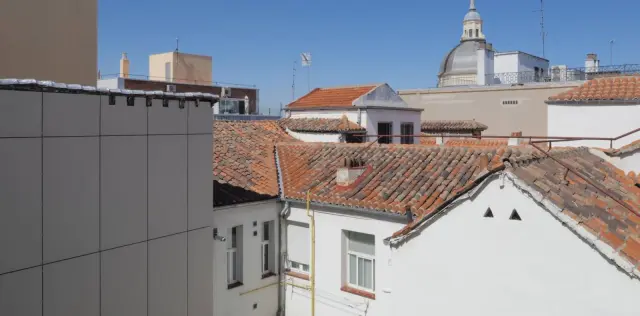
point(20, 203)
point(167, 185)
point(124, 281)
point(123, 209)
point(120, 119)
point(20, 114)
point(168, 276)
point(200, 117)
point(70, 190)
point(200, 181)
point(167, 120)
point(21, 293)
point(200, 272)
point(71, 287)
point(71, 114)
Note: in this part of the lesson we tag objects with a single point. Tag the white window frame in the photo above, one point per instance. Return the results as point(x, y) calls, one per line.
point(265, 247)
point(300, 268)
point(232, 257)
point(359, 255)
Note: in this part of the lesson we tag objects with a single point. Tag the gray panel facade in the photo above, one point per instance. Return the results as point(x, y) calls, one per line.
point(20, 203)
point(104, 209)
point(71, 196)
point(167, 185)
point(21, 293)
point(168, 276)
point(20, 114)
point(124, 281)
point(72, 287)
point(123, 183)
point(70, 114)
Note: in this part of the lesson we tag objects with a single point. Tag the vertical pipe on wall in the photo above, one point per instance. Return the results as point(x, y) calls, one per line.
point(312, 223)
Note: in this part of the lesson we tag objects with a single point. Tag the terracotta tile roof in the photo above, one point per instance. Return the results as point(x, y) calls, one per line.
point(320, 125)
point(602, 89)
point(626, 149)
point(331, 97)
point(459, 126)
point(465, 142)
point(244, 168)
point(428, 178)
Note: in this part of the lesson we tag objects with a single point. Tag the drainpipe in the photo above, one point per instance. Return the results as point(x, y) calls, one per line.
point(312, 224)
point(284, 213)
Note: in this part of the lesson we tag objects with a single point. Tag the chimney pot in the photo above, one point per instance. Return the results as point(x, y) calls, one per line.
point(515, 139)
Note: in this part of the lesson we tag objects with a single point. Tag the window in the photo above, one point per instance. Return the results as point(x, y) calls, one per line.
point(470, 33)
point(355, 138)
point(384, 129)
point(406, 129)
point(234, 256)
point(360, 261)
point(298, 245)
point(268, 248)
point(477, 33)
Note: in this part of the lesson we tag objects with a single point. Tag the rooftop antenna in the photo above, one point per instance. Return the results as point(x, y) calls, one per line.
point(611, 42)
point(542, 31)
point(306, 62)
point(177, 44)
point(293, 85)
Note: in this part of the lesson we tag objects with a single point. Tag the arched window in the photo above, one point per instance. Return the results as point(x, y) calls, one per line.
point(470, 33)
point(477, 33)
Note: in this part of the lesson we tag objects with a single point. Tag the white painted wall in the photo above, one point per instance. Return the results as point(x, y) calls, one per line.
point(381, 96)
point(465, 264)
point(330, 300)
point(230, 302)
point(627, 162)
point(111, 83)
point(333, 114)
point(593, 121)
point(505, 62)
point(316, 137)
point(394, 116)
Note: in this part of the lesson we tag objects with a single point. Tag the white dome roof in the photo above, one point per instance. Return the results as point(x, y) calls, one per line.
point(472, 16)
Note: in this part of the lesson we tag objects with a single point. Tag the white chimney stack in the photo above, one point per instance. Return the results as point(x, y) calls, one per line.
point(591, 64)
point(516, 139)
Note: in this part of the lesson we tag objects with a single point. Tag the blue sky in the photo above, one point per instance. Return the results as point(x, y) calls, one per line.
point(400, 42)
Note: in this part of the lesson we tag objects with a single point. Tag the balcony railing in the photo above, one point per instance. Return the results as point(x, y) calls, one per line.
point(178, 80)
point(555, 74)
point(562, 74)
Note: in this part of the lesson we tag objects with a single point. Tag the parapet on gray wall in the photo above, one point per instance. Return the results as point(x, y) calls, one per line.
point(104, 209)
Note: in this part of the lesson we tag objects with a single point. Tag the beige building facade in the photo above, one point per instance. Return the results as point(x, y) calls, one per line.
point(181, 68)
point(49, 40)
point(503, 108)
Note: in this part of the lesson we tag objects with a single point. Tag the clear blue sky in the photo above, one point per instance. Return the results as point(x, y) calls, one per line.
point(400, 42)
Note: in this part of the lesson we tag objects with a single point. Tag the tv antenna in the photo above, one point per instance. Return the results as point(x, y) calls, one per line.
point(543, 34)
point(293, 85)
point(306, 62)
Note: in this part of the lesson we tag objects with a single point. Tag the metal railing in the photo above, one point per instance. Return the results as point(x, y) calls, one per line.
point(554, 74)
point(178, 80)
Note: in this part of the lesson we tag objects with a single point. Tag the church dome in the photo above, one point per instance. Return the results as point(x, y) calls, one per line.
point(472, 16)
point(461, 60)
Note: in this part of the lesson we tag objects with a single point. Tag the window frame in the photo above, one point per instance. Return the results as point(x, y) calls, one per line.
point(406, 138)
point(387, 140)
point(232, 257)
point(359, 255)
point(301, 267)
point(269, 245)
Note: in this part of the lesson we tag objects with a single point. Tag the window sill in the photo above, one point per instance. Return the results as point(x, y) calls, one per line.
point(362, 293)
point(297, 275)
point(268, 275)
point(234, 285)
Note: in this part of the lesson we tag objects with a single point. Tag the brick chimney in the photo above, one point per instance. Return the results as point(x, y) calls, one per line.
point(350, 171)
point(515, 139)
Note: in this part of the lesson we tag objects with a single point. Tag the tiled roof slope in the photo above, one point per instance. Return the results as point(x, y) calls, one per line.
point(244, 168)
point(331, 97)
point(428, 178)
point(459, 126)
point(603, 89)
point(320, 125)
point(465, 142)
point(626, 149)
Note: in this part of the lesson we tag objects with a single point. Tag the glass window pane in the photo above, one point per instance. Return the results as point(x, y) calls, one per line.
point(362, 243)
point(353, 270)
point(360, 272)
point(368, 274)
point(234, 265)
point(233, 237)
point(265, 231)
point(265, 257)
point(305, 267)
point(295, 265)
